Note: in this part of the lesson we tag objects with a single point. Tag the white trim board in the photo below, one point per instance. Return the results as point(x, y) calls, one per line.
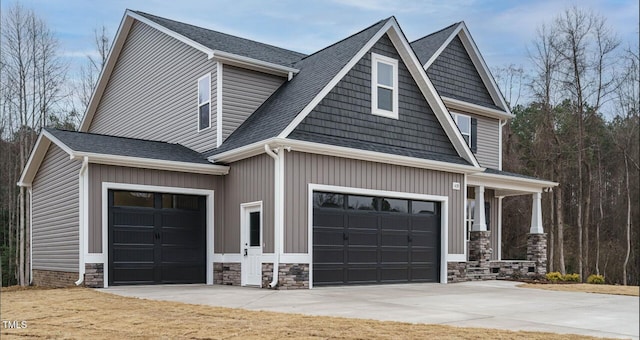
point(106, 186)
point(444, 218)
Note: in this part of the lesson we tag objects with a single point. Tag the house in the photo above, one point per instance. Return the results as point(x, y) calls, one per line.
point(209, 158)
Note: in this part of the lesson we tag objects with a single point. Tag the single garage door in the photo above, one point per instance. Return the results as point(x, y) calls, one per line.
point(156, 238)
point(366, 239)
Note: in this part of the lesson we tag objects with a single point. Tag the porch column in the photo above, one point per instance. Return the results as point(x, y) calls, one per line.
point(536, 214)
point(537, 239)
point(479, 220)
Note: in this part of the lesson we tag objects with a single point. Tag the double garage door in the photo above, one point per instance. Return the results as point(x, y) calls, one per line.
point(156, 238)
point(367, 239)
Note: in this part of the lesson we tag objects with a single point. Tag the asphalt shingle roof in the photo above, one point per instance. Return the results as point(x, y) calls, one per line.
point(426, 46)
point(510, 174)
point(316, 71)
point(130, 147)
point(229, 43)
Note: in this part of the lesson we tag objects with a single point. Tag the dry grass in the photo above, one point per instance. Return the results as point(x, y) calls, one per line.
point(82, 313)
point(587, 288)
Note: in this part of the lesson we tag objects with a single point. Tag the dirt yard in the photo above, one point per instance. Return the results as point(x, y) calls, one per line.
point(588, 288)
point(80, 313)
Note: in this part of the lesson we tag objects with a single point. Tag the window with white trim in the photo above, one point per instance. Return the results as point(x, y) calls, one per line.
point(384, 86)
point(204, 102)
point(464, 124)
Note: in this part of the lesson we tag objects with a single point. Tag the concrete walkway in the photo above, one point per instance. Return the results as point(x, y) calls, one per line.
point(489, 304)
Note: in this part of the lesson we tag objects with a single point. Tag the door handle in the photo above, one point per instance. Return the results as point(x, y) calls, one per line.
point(409, 238)
point(345, 236)
point(246, 252)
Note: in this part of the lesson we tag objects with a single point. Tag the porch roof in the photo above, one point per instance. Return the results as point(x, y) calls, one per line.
point(506, 183)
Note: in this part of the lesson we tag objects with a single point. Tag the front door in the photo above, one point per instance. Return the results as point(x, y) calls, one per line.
point(251, 246)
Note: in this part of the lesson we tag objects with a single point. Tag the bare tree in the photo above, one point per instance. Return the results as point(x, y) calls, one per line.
point(90, 72)
point(32, 81)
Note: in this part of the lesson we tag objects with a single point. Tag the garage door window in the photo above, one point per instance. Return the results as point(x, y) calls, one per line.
point(327, 200)
point(132, 199)
point(184, 202)
point(395, 205)
point(363, 203)
point(419, 207)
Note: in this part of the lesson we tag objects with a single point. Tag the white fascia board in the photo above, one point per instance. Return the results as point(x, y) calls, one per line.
point(482, 67)
point(158, 164)
point(243, 152)
point(37, 155)
point(105, 73)
point(456, 104)
point(251, 63)
point(313, 103)
point(509, 183)
point(429, 92)
point(442, 47)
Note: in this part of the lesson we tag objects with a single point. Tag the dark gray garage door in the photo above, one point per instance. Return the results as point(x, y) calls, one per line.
point(365, 239)
point(156, 238)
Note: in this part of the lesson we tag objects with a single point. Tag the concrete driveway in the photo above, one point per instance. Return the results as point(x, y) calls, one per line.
point(490, 304)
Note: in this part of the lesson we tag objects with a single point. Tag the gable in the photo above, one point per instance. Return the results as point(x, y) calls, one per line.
point(344, 116)
point(455, 76)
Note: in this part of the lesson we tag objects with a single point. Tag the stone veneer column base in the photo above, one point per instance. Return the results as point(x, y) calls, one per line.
point(537, 251)
point(94, 275)
point(52, 278)
point(293, 276)
point(227, 274)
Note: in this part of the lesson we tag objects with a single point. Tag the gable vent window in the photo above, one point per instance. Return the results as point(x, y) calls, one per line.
point(204, 102)
point(384, 86)
point(468, 128)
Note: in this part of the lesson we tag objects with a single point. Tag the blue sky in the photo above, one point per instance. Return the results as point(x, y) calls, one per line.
point(502, 29)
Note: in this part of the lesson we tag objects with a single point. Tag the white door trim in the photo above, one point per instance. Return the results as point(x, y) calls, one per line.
point(106, 186)
point(246, 208)
point(444, 217)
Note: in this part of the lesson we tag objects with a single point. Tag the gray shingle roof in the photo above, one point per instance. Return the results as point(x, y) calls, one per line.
point(316, 70)
point(426, 46)
point(229, 43)
point(510, 174)
point(120, 146)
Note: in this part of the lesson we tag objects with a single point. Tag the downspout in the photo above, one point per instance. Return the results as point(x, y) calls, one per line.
point(30, 191)
point(276, 213)
point(83, 212)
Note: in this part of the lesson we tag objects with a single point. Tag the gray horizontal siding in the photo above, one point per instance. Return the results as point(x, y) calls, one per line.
point(488, 139)
point(152, 92)
point(345, 113)
point(99, 173)
point(249, 180)
point(56, 213)
point(243, 91)
point(454, 75)
point(303, 168)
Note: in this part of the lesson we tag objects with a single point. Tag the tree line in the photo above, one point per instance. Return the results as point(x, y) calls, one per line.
point(579, 129)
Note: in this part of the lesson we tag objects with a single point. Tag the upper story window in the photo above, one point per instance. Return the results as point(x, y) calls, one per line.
point(204, 102)
point(384, 86)
point(464, 124)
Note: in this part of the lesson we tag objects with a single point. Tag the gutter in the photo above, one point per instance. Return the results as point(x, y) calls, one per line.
point(83, 212)
point(276, 213)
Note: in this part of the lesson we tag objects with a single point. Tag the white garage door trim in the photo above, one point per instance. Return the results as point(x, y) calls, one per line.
point(444, 219)
point(106, 186)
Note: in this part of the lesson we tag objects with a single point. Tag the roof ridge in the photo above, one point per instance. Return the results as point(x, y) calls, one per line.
point(438, 31)
point(352, 35)
point(223, 33)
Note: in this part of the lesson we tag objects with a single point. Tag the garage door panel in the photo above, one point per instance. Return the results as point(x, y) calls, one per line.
point(135, 275)
point(329, 255)
point(362, 254)
point(394, 255)
point(328, 236)
point(181, 219)
point(181, 254)
point(424, 254)
point(425, 223)
point(181, 273)
point(362, 275)
point(425, 273)
point(394, 222)
point(133, 235)
point(362, 237)
point(131, 254)
point(331, 218)
point(183, 236)
point(391, 274)
point(133, 217)
point(424, 239)
point(394, 239)
point(361, 220)
point(328, 275)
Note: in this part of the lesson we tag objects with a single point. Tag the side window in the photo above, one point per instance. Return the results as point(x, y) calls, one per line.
point(204, 102)
point(468, 129)
point(384, 86)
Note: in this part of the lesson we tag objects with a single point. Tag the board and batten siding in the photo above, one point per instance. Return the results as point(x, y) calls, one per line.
point(55, 233)
point(249, 180)
point(99, 173)
point(243, 91)
point(153, 91)
point(304, 168)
